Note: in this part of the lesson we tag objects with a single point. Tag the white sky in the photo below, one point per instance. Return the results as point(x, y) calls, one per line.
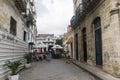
point(53, 16)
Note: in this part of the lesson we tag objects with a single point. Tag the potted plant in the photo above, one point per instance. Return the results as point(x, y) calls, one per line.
point(48, 56)
point(28, 58)
point(13, 66)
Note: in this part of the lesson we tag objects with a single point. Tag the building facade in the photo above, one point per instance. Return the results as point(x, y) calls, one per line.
point(31, 24)
point(45, 41)
point(96, 25)
point(68, 40)
point(15, 25)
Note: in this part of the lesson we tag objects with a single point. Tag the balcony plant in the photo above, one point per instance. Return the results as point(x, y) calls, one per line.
point(28, 58)
point(31, 22)
point(13, 66)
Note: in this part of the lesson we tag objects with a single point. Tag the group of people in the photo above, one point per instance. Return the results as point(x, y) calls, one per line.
point(36, 56)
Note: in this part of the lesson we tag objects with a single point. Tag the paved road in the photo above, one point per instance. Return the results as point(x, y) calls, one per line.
point(54, 70)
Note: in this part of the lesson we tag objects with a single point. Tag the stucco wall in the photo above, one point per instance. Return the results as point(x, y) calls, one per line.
point(11, 47)
point(6, 11)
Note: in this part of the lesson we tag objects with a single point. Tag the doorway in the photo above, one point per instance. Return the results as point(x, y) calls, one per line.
point(84, 44)
point(76, 41)
point(71, 45)
point(98, 41)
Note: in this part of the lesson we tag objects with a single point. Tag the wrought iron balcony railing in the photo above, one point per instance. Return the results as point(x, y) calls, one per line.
point(75, 20)
point(78, 11)
point(90, 4)
point(82, 10)
point(21, 5)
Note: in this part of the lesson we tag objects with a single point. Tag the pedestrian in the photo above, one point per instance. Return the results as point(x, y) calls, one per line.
point(41, 54)
point(35, 56)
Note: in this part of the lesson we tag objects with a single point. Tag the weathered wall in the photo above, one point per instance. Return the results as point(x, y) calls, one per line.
point(6, 11)
point(110, 26)
point(11, 47)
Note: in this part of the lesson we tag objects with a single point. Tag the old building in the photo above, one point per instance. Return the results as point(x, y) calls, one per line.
point(96, 25)
point(16, 23)
point(45, 41)
point(68, 41)
point(31, 24)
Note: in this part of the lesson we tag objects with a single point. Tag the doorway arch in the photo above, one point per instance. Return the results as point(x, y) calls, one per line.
point(98, 41)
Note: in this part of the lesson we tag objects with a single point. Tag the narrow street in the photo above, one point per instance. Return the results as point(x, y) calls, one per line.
point(55, 70)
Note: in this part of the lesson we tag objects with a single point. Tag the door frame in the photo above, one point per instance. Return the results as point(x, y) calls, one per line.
point(76, 46)
point(84, 45)
point(95, 42)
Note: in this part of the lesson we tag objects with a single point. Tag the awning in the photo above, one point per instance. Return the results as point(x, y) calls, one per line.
point(57, 47)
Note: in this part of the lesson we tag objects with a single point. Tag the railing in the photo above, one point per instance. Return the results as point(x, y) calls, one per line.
point(78, 11)
point(21, 5)
point(82, 10)
point(11, 48)
point(90, 4)
point(75, 20)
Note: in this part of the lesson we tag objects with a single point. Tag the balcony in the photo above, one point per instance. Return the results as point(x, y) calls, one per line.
point(90, 4)
point(75, 20)
point(21, 5)
point(82, 10)
point(30, 20)
point(78, 10)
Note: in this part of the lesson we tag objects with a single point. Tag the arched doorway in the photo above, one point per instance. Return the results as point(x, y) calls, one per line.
point(98, 41)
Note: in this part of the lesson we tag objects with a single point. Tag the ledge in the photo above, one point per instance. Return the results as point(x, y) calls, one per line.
point(114, 11)
point(94, 71)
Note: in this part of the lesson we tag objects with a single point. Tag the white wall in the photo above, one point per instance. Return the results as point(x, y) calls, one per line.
point(6, 11)
point(11, 47)
point(10, 50)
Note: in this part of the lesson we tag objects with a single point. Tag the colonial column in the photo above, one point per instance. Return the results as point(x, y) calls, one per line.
point(114, 53)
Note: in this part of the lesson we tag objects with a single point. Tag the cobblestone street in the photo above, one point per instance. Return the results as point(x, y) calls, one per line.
point(54, 70)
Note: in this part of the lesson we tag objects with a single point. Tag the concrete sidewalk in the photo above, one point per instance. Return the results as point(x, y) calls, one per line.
point(95, 71)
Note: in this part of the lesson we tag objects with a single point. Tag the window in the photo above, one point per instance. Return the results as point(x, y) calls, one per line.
point(24, 35)
point(13, 26)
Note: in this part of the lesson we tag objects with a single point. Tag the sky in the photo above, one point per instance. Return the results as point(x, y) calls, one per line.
point(53, 16)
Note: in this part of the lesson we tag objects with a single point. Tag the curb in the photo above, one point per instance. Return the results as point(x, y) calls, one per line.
point(95, 72)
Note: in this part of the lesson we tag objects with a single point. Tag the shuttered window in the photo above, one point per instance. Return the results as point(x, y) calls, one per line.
point(13, 26)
